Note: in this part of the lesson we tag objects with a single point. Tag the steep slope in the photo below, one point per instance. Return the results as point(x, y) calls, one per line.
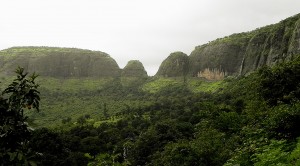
point(220, 57)
point(272, 44)
point(134, 68)
point(242, 53)
point(175, 65)
point(59, 62)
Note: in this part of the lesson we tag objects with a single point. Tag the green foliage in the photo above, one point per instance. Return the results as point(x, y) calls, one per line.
point(283, 121)
point(15, 133)
point(198, 85)
point(177, 154)
point(158, 84)
point(281, 83)
point(294, 157)
point(54, 150)
point(271, 154)
point(167, 121)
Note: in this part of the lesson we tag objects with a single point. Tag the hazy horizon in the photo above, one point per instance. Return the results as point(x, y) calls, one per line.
point(142, 30)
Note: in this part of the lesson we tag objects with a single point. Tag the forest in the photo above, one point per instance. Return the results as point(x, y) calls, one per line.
point(246, 120)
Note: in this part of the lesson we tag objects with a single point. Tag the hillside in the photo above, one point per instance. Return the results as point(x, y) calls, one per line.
point(242, 53)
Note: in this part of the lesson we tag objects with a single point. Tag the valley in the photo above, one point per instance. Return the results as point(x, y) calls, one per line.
point(232, 101)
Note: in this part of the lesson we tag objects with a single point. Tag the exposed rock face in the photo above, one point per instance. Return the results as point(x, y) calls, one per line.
point(212, 74)
point(175, 65)
point(134, 68)
point(225, 56)
point(272, 44)
point(242, 53)
point(59, 62)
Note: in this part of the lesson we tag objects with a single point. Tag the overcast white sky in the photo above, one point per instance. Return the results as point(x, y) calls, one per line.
point(145, 30)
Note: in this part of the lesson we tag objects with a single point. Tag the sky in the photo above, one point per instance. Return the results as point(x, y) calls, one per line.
point(144, 30)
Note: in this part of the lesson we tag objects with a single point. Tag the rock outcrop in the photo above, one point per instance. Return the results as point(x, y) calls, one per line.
point(240, 54)
point(212, 74)
point(175, 65)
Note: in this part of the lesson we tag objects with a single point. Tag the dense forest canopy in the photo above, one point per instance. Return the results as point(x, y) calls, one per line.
point(251, 120)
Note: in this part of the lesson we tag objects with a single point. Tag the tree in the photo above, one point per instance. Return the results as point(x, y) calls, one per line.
point(15, 133)
point(280, 84)
point(50, 145)
point(81, 120)
point(181, 154)
point(91, 145)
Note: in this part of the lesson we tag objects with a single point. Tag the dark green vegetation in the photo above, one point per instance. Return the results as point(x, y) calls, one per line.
point(251, 120)
point(94, 113)
point(20, 95)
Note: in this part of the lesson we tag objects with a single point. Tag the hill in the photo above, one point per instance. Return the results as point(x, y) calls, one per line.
point(134, 68)
point(175, 65)
point(59, 62)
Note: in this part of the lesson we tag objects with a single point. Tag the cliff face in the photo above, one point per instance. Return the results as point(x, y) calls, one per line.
point(134, 68)
point(242, 53)
point(59, 62)
point(175, 65)
point(272, 44)
point(225, 56)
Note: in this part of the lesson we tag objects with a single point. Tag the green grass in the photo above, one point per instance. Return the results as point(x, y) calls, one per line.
point(158, 84)
point(63, 98)
point(196, 85)
point(72, 85)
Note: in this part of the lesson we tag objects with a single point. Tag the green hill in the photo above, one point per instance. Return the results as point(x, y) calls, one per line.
point(59, 62)
point(134, 68)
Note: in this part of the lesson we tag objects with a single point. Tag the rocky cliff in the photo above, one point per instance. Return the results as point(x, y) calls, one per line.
point(59, 62)
point(242, 53)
